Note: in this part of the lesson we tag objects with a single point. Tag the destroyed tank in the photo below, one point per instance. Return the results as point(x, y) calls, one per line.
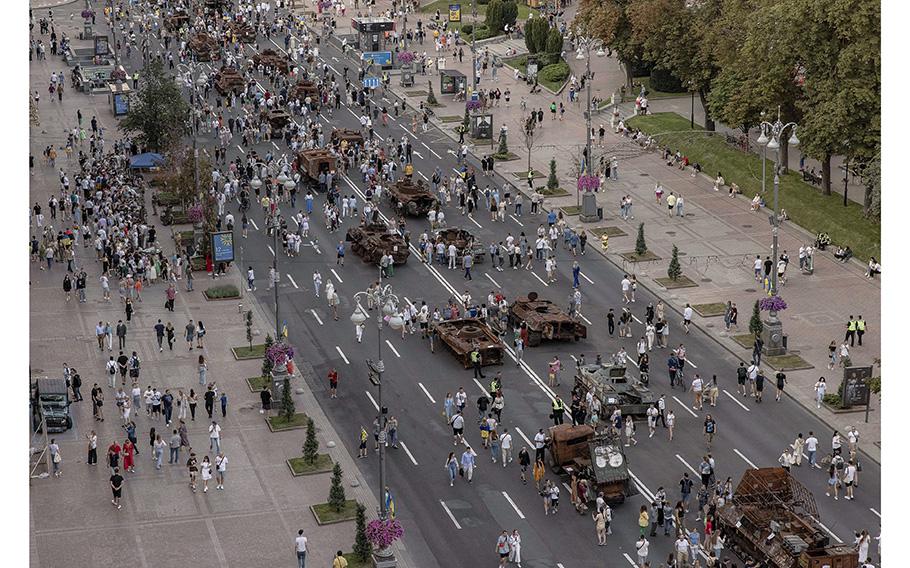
point(414, 199)
point(544, 320)
point(271, 58)
point(229, 80)
point(205, 47)
point(303, 89)
point(370, 242)
point(462, 240)
point(176, 21)
point(244, 32)
point(278, 118)
point(463, 335)
point(613, 386)
point(352, 137)
point(310, 163)
point(598, 457)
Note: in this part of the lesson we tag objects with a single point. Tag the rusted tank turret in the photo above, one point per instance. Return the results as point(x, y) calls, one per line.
point(463, 241)
point(205, 47)
point(371, 242)
point(415, 199)
point(544, 320)
point(271, 58)
point(463, 335)
point(229, 80)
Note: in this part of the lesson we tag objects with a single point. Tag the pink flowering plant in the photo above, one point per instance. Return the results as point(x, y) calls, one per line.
point(280, 353)
point(588, 183)
point(473, 105)
point(772, 304)
point(383, 534)
point(195, 214)
point(87, 14)
point(406, 57)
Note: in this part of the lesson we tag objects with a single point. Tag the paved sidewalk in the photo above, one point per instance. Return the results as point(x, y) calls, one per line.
point(252, 522)
point(718, 238)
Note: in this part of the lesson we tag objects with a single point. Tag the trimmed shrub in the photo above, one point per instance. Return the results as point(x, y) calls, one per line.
point(554, 41)
point(224, 291)
point(467, 29)
point(554, 73)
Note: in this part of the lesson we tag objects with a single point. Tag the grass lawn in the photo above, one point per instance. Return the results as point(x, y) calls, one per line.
point(633, 257)
point(326, 514)
point(745, 340)
point(521, 63)
point(609, 231)
point(709, 310)
point(547, 192)
point(788, 362)
point(257, 384)
point(323, 464)
point(278, 423)
point(805, 204)
point(451, 118)
point(524, 175)
point(681, 282)
point(244, 351)
point(571, 210)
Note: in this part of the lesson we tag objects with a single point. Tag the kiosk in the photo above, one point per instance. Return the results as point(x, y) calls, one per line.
point(452, 81)
point(372, 39)
point(119, 98)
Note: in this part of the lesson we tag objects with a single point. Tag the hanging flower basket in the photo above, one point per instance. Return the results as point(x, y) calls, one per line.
point(280, 353)
point(588, 183)
point(382, 534)
point(406, 57)
point(195, 214)
point(772, 304)
point(87, 14)
point(473, 105)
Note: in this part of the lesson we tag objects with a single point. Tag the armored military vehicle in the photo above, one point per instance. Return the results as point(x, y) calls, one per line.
point(463, 241)
point(463, 335)
point(415, 199)
point(598, 457)
point(544, 320)
point(613, 386)
point(371, 242)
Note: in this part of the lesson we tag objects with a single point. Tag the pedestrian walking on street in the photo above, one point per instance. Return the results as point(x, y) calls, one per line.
point(190, 334)
point(203, 368)
point(192, 466)
point(710, 430)
point(192, 400)
point(215, 436)
point(300, 544)
point(821, 387)
point(641, 547)
point(452, 468)
point(170, 334)
point(502, 548)
point(116, 483)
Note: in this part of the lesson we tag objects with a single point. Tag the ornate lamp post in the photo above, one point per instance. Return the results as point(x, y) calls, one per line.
point(586, 45)
point(771, 135)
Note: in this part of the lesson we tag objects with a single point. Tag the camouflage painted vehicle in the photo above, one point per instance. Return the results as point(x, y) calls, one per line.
point(371, 242)
point(229, 80)
point(414, 199)
point(271, 58)
point(463, 335)
point(463, 240)
point(205, 47)
point(598, 457)
point(544, 320)
point(613, 386)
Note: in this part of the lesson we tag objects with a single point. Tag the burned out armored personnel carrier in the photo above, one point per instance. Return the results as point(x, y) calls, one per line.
point(229, 80)
point(244, 31)
point(598, 457)
point(278, 118)
point(303, 89)
point(371, 242)
point(176, 21)
point(310, 163)
point(205, 47)
point(613, 386)
point(411, 198)
point(773, 518)
point(544, 320)
point(463, 335)
point(463, 241)
point(271, 58)
point(352, 137)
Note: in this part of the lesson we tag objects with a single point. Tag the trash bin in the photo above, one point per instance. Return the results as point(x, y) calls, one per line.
point(784, 342)
point(600, 213)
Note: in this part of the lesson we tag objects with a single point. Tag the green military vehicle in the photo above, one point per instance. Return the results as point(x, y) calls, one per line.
point(595, 456)
point(613, 386)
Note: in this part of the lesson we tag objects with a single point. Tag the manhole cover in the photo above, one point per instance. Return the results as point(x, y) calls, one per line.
point(671, 233)
point(706, 280)
point(747, 226)
point(750, 290)
point(643, 175)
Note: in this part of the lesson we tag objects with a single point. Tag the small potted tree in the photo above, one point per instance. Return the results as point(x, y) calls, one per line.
point(382, 535)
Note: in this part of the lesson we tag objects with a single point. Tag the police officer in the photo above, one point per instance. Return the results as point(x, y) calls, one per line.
point(860, 328)
point(851, 330)
point(558, 410)
point(477, 362)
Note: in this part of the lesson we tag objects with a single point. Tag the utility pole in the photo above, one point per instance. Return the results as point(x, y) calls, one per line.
point(473, 48)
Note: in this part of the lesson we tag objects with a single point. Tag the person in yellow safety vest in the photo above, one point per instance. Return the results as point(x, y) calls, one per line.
point(495, 385)
point(851, 330)
point(477, 363)
point(558, 409)
point(860, 329)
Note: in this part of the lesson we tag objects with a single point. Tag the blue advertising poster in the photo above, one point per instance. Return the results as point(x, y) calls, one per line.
point(381, 58)
point(121, 104)
point(223, 246)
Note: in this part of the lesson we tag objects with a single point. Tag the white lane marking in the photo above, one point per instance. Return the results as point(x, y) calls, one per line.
point(335, 59)
point(475, 222)
point(423, 176)
point(689, 362)
point(271, 250)
point(419, 155)
point(587, 321)
point(291, 278)
point(736, 400)
point(407, 451)
point(352, 112)
point(275, 145)
point(336, 275)
point(438, 157)
point(583, 275)
point(685, 463)
point(490, 278)
point(559, 565)
point(633, 315)
point(426, 392)
point(514, 506)
point(745, 459)
point(392, 347)
point(534, 274)
point(278, 46)
point(480, 386)
point(837, 538)
point(642, 487)
point(343, 356)
point(370, 396)
point(376, 134)
point(523, 437)
point(318, 250)
point(520, 224)
point(242, 151)
point(251, 46)
point(449, 513)
point(877, 514)
point(629, 558)
point(253, 223)
point(315, 315)
point(631, 360)
point(681, 403)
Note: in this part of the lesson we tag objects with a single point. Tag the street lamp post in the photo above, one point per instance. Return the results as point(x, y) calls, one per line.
point(585, 46)
point(388, 303)
point(771, 134)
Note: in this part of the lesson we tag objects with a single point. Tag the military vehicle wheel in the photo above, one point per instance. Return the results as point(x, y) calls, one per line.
point(534, 338)
point(69, 422)
point(412, 208)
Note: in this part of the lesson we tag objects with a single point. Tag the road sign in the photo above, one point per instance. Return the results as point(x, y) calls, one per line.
point(371, 82)
point(454, 12)
point(381, 58)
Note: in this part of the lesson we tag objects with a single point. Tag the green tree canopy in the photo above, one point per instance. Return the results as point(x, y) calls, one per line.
point(158, 112)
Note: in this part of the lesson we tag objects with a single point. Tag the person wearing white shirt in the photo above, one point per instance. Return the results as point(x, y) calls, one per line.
point(687, 317)
point(300, 549)
point(626, 289)
point(215, 436)
point(505, 444)
point(811, 449)
point(642, 548)
point(540, 441)
point(849, 479)
point(221, 463)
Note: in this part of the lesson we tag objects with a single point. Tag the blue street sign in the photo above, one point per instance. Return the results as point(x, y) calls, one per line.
point(381, 58)
point(371, 82)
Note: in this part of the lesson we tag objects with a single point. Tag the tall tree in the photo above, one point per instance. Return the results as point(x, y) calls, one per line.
point(608, 21)
point(158, 114)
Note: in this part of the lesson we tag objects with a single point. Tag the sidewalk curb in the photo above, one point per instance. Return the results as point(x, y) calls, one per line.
point(669, 303)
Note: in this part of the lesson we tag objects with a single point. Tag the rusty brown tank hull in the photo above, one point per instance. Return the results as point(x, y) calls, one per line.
point(311, 162)
point(352, 137)
point(462, 240)
point(545, 320)
point(229, 80)
point(270, 58)
point(462, 335)
point(414, 199)
point(371, 242)
point(205, 47)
